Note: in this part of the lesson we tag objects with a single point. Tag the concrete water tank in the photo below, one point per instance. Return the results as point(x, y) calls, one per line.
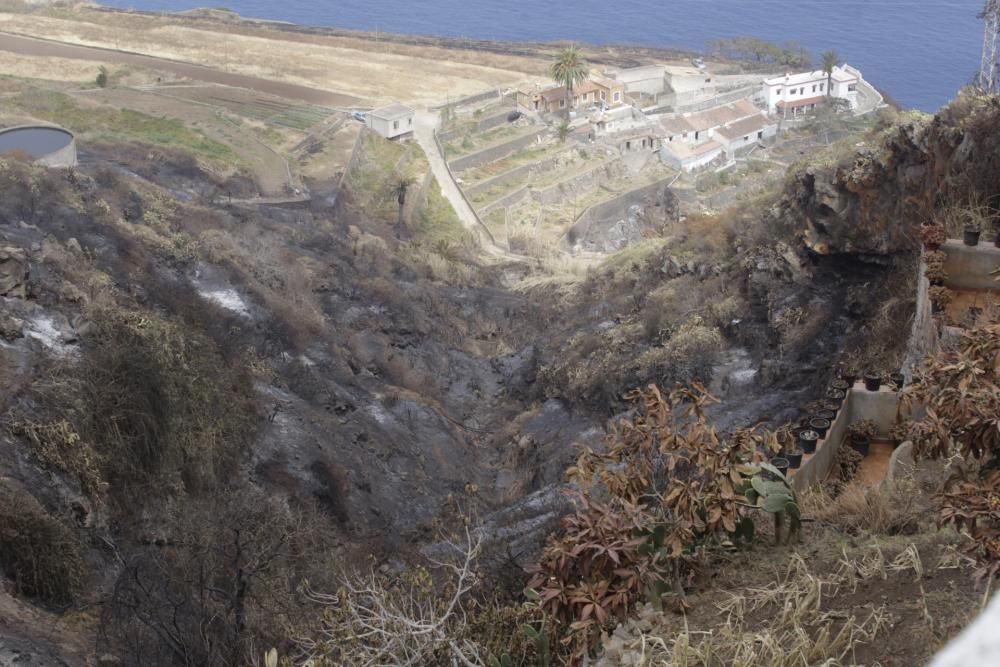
point(48, 145)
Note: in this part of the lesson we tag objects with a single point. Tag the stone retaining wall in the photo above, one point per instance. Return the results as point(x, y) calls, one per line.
point(588, 180)
point(494, 153)
point(614, 208)
point(511, 175)
point(507, 201)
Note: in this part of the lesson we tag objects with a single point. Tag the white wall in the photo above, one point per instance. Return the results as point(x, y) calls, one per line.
point(648, 79)
point(386, 127)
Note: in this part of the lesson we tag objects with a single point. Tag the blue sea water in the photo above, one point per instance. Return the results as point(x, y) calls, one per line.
point(919, 51)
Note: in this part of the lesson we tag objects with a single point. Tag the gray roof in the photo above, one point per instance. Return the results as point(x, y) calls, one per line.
point(392, 111)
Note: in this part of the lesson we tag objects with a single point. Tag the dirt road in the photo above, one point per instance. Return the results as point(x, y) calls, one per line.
point(39, 47)
point(424, 125)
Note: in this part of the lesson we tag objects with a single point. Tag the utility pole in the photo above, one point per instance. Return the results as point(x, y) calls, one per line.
point(987, 82)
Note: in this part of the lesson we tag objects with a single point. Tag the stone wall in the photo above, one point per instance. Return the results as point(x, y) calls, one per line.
point(614, 208)
point(510, 176)
point(588, 180)
point(508, 200)
point(494, 153)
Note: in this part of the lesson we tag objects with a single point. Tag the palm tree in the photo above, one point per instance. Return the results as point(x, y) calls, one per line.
point(830, 60)
point(568, 70)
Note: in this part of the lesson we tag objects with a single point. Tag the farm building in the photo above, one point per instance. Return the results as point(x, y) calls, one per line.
point(392, 122)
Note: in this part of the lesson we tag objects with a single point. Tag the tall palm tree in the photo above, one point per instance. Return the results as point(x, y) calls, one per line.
point(568, 70)
point(830, 59)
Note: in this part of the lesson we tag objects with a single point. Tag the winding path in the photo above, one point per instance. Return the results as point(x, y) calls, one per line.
point(425, 123)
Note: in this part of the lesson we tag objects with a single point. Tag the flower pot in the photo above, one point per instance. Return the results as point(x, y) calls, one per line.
point(821, 426)
point(835, 394)
point(807, 440)
point(860, 445)
point(781, 463)
point(794, 460)
point(831, 406)
point(873, 381)
point(842, 385)
point(898, 380)
point(829, 415)
point(970, 236)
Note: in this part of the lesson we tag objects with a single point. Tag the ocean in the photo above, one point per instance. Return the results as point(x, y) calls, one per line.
point(918, 51)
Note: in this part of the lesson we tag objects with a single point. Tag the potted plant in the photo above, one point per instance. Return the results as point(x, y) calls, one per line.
point(840, 383)
point(835, 394)
point(781, 463)
point(850, 374)
point(873, 381)
point(831, 407)
point(820, 425)
point(970, 233)
point(899, 432)
point(932, 236)
point(828, 415)
point(807, 440)
point(793, 456)
point(898, 380)
point(934, 267)
point(861, 432)
point(940, 297)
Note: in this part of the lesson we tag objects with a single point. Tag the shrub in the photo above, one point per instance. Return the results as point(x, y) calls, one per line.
point(961, 394)
point(666, 488)
point(36, 551)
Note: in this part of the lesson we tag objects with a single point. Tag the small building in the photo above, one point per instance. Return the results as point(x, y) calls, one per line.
point(697, 127)
point(392, 122)
point(689, 157)
point(795, 94)
point(741, 135)
point(647, 80)
point(597, 91)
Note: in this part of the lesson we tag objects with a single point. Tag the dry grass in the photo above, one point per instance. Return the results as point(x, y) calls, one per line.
point(366, 73)
point(50, 69)
point(894, 508)
point(794, 620)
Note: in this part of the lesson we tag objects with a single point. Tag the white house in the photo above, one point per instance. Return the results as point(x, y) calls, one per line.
point(692, 140)
point(793, 94)
point(392, 122)
point(737, 136)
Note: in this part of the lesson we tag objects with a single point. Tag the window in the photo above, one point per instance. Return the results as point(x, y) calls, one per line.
point(628, 145)
point(852, 87)
point(814, 87)
point(746, 138)
point(696, 135)
point(760, 135)
point(778, 91)
point(395, 124)
point(562, 103)
point(618, 96)
point(409, 121)
point(821, 87)
point(603, 95)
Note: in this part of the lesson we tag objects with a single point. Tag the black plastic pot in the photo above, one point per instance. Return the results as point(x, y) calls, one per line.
point(829, 415)
point(860, 445)
point(873, 381)
point(898, 379)
point(835, 394)
point(781, 463)
point(831, 406)
point(807, 440)
point(970, 236)
point(794, 460)
point(821, 426)
point(842, 385)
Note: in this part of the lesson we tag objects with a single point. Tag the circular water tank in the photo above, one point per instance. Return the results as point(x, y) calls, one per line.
point(48, 145)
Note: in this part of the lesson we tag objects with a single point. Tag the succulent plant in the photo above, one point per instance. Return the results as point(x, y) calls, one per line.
point(863, 429)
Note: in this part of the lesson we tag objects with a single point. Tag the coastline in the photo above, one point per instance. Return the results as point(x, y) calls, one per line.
point(612, 55)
